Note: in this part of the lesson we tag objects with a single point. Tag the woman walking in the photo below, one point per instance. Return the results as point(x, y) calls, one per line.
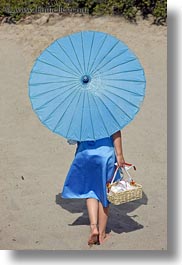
point(92, 167)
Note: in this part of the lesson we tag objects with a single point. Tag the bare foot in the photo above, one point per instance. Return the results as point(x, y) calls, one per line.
point(94, 235)
point(103, 237)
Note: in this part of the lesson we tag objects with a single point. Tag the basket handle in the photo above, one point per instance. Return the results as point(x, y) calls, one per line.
point(126, 171)
point(113, 178)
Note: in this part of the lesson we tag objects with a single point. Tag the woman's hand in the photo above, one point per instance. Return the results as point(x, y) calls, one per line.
point(120, 160)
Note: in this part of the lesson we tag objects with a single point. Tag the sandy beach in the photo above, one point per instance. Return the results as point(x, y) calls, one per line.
point(34, 161)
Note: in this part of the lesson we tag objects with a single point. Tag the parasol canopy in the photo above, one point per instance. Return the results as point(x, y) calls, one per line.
point(86, 86)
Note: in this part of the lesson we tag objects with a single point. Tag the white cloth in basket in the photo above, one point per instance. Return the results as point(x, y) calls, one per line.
point(122, 185)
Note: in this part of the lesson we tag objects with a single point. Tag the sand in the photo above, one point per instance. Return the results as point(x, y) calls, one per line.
point(34, 161)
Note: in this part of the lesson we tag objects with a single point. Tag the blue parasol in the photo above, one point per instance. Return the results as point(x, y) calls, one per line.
point(86, 86)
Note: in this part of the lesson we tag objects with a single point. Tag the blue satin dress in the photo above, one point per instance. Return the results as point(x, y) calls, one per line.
point(90, 170)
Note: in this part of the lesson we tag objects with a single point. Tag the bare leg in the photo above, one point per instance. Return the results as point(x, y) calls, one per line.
point(93, 207)
point(103, 217)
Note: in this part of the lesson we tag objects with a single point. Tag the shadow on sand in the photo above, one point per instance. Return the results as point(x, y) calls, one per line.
point(119, 221)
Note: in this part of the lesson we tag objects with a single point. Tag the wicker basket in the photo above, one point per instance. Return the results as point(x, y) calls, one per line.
point(127, 195)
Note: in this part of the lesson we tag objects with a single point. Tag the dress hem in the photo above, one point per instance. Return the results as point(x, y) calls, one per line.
point(85, 197)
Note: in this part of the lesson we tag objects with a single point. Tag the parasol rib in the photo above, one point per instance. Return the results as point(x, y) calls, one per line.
point(68, 57)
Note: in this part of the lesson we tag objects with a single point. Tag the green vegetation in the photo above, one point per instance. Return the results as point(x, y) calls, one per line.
point(16, 9)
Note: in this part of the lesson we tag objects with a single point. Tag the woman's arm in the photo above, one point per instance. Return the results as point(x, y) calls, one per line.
point(117, 140)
